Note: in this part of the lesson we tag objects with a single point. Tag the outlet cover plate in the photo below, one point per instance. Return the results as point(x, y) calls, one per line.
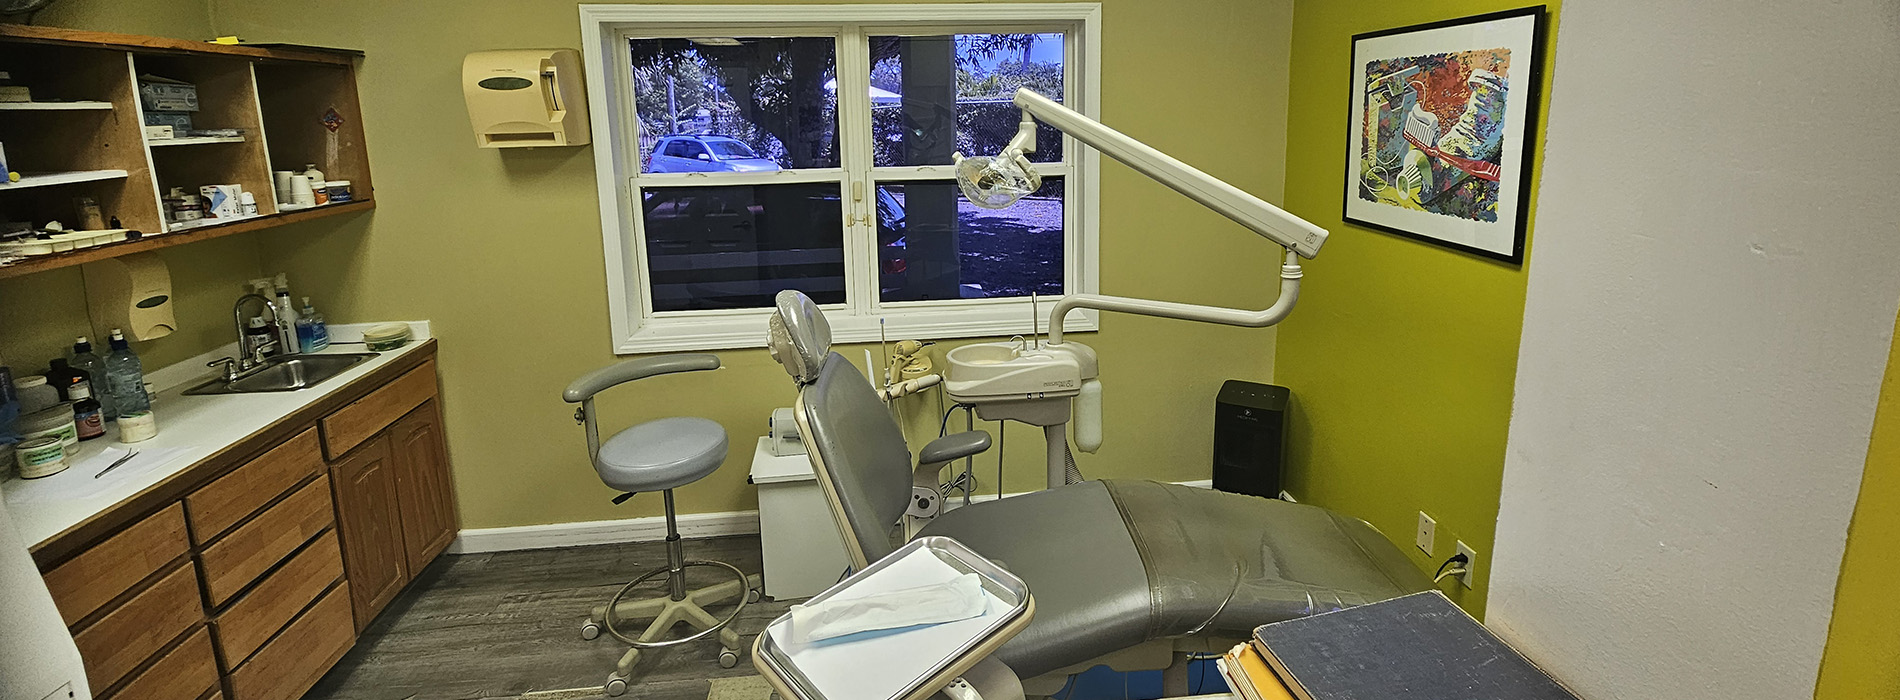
point(1471, 563)
point(1427, 533)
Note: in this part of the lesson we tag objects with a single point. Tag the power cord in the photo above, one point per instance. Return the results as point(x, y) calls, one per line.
point(1455, 566)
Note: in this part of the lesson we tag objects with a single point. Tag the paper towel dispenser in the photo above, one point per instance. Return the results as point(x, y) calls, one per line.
point(526, 97)
point(130, 292)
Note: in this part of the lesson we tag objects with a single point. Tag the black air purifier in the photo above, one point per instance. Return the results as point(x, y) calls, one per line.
point(1249, 437)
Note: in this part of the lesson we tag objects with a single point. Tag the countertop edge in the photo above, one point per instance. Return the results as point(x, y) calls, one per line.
point(59, 546)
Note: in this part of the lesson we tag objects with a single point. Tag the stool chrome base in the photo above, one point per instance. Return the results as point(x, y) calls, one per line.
point(680, 605)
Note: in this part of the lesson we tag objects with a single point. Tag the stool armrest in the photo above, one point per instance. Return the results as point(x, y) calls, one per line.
point(632, 370)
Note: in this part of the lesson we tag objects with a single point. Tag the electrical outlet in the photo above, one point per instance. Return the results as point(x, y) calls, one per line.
point(1427, 532)
point(1284, 496)
point(1471, 563)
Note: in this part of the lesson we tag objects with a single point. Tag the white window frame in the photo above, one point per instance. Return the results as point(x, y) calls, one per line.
point(636, 328)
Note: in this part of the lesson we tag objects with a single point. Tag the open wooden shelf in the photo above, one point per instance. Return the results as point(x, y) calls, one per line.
point(193, 141)
point(292, 106)
point(54, 106)
point(42, 263)
point(32, 180)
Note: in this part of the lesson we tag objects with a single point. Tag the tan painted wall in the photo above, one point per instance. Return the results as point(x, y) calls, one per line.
point(177, 19)
point(40, 314)
point(502, 250)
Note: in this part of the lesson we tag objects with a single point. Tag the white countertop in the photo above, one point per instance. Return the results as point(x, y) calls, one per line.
point(190, 429)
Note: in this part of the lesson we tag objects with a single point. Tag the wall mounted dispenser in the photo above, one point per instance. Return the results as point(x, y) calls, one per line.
point(526, 97)
point(130, 292)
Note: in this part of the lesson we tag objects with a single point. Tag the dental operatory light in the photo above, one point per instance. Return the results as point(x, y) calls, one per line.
point(1040, 383)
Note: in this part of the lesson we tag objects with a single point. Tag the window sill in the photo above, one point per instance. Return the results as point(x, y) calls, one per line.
point(748, 330)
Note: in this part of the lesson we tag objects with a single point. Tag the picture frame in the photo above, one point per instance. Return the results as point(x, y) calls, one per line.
point(1443, 114)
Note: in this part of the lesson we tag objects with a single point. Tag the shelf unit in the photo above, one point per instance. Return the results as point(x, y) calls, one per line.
point(83, 136)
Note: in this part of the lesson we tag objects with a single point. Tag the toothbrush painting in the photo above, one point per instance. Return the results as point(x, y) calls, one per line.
point(1441, 115)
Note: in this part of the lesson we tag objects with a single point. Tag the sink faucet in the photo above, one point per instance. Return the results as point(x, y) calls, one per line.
point(251, 349)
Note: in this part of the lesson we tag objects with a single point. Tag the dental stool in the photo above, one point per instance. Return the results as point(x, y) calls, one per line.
point(660, 455)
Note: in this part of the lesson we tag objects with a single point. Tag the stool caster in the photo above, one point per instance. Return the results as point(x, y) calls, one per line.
point(752, 595)
point(616, 686)
point(728, 658)
point(590, 630)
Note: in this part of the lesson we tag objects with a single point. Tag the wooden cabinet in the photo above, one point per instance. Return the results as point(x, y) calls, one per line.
point(370, 519)
point(423, 491)
point(83, 134)
point(257, 575)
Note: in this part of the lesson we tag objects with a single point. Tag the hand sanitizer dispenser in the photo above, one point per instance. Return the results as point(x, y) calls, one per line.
point(131, 292)
point(526, 97)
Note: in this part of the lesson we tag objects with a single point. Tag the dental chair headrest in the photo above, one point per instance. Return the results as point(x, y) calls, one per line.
point(800, 337)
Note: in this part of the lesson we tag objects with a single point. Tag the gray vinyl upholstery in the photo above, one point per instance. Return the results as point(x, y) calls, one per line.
point(1112, 564)
point(865, 459)
point(633, 370)
point(661, 454)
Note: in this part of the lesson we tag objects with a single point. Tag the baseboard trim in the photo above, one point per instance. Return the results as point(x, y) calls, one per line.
point(648, 529)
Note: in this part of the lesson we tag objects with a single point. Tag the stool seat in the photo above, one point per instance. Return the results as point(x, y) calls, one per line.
point(661, 454)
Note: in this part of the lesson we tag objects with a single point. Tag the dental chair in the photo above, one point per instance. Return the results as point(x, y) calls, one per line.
point(1128, 573)
point(660, 455)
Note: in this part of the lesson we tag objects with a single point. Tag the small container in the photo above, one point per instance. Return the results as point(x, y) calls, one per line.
point(39, 457)
point(247, 203)
point(340, 191)
point(387, 336)
point(320, 190)
point(90, 218)
point(301, 192)
point(56, 422)
point(137, 427)
point(35, 393)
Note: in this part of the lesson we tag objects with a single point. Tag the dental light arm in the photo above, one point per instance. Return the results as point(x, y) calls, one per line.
point(994, 177)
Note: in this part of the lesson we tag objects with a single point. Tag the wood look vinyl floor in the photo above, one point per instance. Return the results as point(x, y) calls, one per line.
point(507, 624)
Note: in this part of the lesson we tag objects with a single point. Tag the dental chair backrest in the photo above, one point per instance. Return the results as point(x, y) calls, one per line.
point(855, 446)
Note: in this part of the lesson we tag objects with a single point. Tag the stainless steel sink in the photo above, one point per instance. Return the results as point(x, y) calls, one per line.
point(283, 374)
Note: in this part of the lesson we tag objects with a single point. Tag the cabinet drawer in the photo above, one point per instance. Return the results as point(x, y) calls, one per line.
point(128, 635)
point(250, 621)
point(235, 496)
point(184, 673)
point(237, 559)
point(291, 663)
point(350, 425)
point(87, 582)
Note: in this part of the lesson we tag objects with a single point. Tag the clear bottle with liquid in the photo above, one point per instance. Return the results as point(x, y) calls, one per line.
point(312, 333)
point(84, 360)
point(125, 377)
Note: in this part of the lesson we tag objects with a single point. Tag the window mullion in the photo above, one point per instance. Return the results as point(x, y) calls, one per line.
point(854, 140)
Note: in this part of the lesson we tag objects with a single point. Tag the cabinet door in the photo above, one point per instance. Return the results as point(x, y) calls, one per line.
point(370, 521)
point(422, 485)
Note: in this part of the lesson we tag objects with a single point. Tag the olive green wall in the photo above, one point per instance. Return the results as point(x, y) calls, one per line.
point(40, 314)
point(502, 251)
point(1862, 657)
point(1402, 355)
point(177, 19)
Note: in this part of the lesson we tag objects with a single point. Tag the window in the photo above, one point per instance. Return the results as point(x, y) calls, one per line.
point(744, 151)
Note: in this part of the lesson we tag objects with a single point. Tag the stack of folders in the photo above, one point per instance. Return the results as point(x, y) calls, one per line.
point(1248, 675)
point(1417, 647)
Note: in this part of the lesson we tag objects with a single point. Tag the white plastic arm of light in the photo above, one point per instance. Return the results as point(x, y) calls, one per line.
point(1299, 237)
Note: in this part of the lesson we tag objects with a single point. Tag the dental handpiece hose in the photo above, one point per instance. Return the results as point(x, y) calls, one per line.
point(1290, 274)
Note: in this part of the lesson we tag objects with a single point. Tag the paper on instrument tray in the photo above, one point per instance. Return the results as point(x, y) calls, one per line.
point(77, 481)
point(959, 598)
point(881, 664)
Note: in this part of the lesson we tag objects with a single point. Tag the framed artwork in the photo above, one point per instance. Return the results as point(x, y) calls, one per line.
point(1442, 114)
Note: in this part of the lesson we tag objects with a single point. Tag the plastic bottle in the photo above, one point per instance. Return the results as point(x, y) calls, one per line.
point(65, 378)
point(286, 318)
point(95, 369)
point(125, 378)
point(312, 333)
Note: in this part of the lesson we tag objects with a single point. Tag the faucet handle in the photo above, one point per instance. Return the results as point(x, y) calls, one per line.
point(230, 367)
